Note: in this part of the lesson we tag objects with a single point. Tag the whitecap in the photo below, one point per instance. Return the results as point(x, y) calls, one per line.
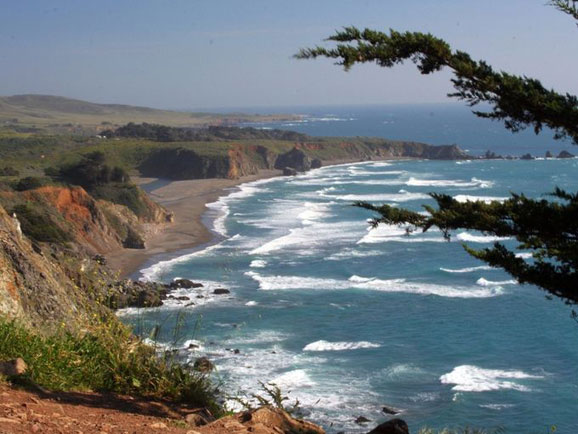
point(524, 255)
point(258, 263)
point(474, 182)
point(269, 283)
point(469, 378)
point(467, 269)
point(483, 282)
point(251, 303)
point(401, 196)
point(339, 346)
point(297, 378)
point(486, 199)
point(466, 236)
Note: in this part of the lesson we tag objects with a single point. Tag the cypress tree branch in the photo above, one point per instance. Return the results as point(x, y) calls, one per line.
point(520, 102)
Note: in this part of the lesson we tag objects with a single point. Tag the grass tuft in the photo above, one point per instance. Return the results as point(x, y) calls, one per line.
point(107, 358)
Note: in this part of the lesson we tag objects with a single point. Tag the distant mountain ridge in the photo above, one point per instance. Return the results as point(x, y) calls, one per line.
point(59, 114)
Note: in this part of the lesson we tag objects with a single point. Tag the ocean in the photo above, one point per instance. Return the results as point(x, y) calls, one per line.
point(349, 320)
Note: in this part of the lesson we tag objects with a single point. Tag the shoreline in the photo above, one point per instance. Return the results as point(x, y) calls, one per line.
point(187, 201)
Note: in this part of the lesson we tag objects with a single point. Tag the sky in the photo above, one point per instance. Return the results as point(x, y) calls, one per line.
point(206, 54)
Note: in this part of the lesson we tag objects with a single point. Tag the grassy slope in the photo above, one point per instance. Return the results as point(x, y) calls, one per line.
point(60, 114)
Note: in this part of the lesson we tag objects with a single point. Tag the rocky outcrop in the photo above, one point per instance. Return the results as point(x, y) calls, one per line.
point(565, 154)
point(130, 293)
point(393, 426)
point(264, 420)
point(36, 285)
point(295, 159)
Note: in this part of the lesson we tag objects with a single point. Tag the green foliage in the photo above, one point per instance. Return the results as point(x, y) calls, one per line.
point(107, 358)
point(518, 101)
point(567, 6)
point(9, 171)
point(128, 195)
point(272, 397)
point(554, 262)
point(39, 226)
point(163, 133)
point(547, 228)
point(30, 183)
point(92, 171)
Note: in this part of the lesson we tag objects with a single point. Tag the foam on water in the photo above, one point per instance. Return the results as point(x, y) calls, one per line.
point(467, 269)
point(470, 378)
point(466, 236)
point(449, 183)
point(338, 346)
point(401, 196)
point(258, 263)
point(271, 283)
point(486, 199)
point(483, 282)
point(155, 272)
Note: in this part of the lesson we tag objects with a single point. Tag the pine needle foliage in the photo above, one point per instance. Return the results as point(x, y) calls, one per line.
point(547, 227)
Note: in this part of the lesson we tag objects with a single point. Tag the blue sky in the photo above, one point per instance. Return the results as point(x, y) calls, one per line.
point(237, 53)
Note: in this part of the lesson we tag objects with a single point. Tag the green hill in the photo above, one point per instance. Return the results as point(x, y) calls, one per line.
point(66, 115)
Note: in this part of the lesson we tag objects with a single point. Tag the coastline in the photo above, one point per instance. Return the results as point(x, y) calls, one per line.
point(187, 200)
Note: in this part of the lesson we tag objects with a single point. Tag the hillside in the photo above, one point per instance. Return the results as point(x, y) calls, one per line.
point(66, 115)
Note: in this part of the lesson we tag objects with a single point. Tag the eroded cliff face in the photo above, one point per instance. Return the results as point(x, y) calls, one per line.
point(33, 285)
point(241, 160)
point(47, 283)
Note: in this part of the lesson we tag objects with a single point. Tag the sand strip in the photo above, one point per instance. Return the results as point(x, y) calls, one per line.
point(186, 200)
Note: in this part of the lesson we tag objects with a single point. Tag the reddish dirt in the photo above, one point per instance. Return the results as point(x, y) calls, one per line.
point(69, 412)
point(23, 411)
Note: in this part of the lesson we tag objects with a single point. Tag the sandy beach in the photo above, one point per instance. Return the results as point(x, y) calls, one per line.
point(186, 200)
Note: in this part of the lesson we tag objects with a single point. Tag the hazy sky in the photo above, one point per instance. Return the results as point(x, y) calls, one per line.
point(238, 53)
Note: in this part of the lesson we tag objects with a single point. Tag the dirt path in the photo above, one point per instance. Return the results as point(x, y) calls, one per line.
point(23, 411)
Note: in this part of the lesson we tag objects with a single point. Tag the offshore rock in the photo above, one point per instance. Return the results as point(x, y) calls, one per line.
point(527, 157)
point(393, 426)
point(221, 291)
point(184, 283)
point(565, 154)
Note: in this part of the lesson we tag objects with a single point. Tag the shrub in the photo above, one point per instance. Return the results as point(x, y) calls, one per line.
point(39, 227)
point(9, 171)
point(30, 183)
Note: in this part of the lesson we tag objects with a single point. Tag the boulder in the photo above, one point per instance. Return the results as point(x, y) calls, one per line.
point(389, 410)
point(295, 158)
point(361, 420)
point(289, 171)
point(184, 283)
point(195, 419)
point(203, 364)
point(549, 155)
point(220, 291)
point(565, 154)
point(131, 293)
point(316, 163)
point(13, 368)
point(393, 426)
point(527, 157)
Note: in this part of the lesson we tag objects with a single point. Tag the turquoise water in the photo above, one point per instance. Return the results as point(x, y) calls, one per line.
point(348, 320)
